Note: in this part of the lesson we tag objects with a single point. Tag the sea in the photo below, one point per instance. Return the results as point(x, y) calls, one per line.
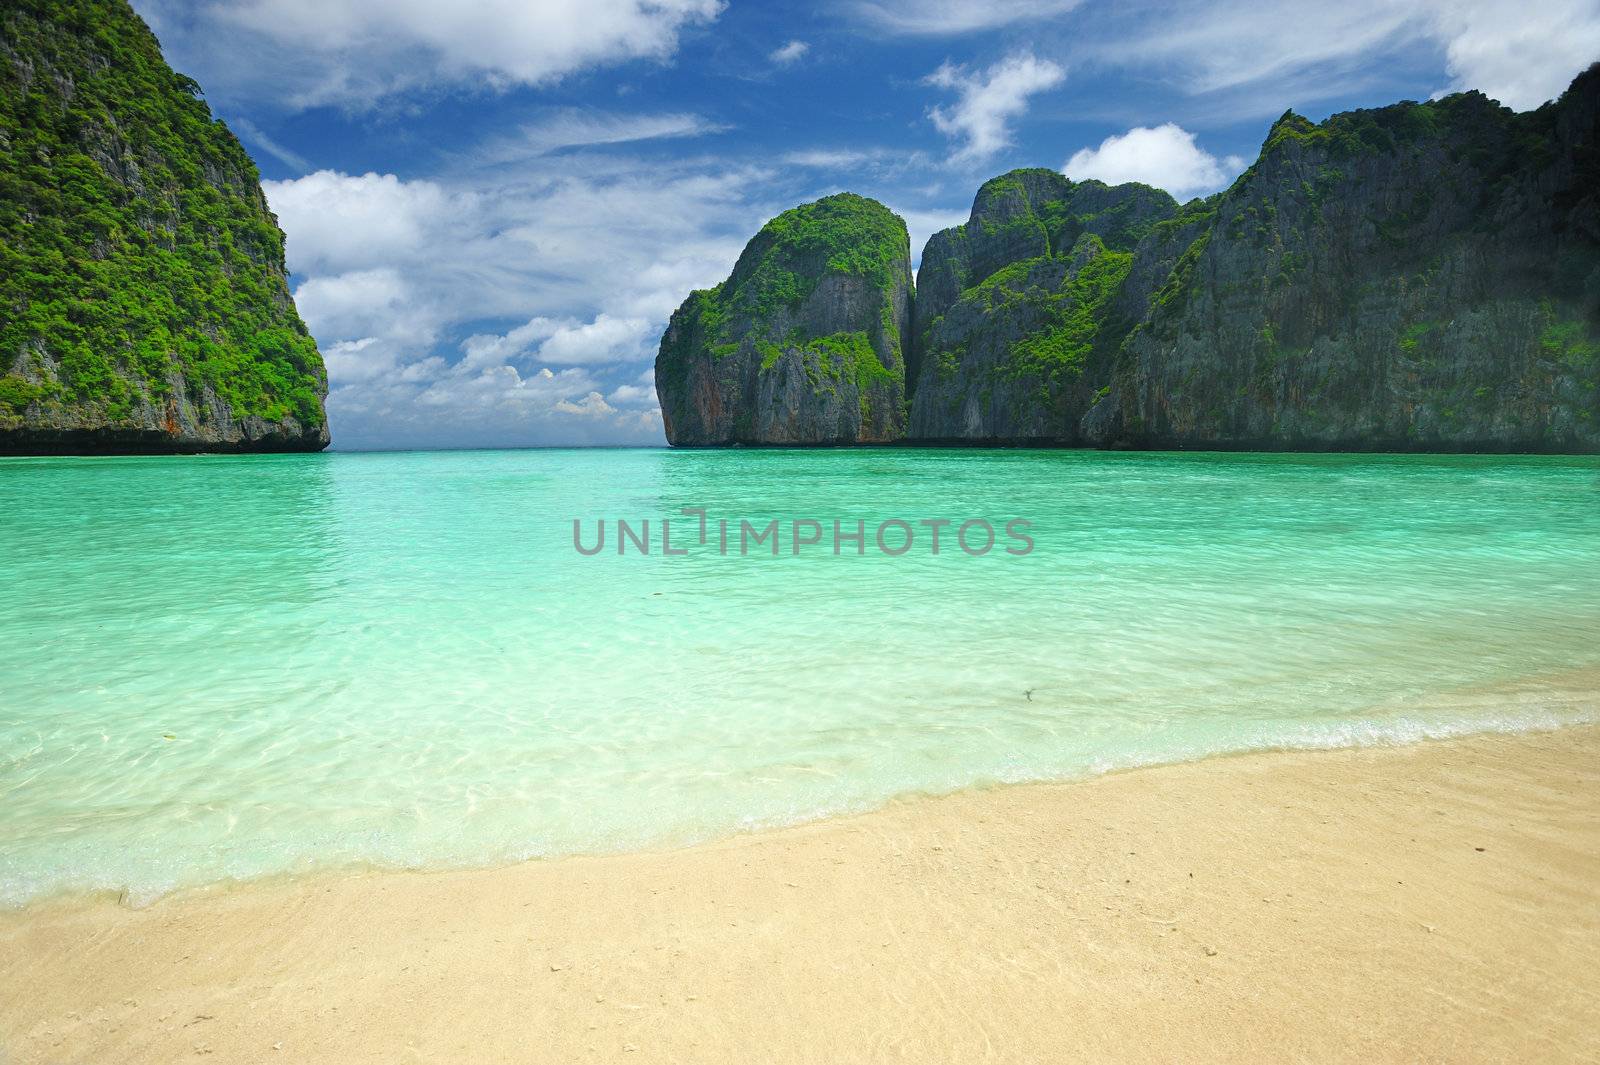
point(219, 668)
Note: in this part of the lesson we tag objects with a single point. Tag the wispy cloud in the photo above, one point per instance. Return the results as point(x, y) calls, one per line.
point(792, 52)
point(835, 158)
point(947, 17)
point(256, 138)
point(1264, 56)
point(577, 128)
point(354, 53)
point(988, 101)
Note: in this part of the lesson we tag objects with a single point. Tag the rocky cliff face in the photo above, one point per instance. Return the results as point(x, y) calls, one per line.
point(1020, 310)
point(144, 304)
point(1417, 277)
point(1420, 277)
point(804, 343)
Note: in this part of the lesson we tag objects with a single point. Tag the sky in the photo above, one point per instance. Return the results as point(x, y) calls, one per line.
point(492, 207)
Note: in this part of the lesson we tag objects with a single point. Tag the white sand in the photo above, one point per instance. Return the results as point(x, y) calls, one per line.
point(1432, 903)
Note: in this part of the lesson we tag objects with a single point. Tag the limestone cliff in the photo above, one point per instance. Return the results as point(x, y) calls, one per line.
point(1020, 311)
point(1421, 277)
point(804, 343)
point(144, 304)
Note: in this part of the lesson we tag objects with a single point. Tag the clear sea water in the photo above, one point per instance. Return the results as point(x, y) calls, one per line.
point(225, 667)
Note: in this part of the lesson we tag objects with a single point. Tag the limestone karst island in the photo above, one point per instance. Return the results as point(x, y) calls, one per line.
point(144, 304)
point(1021, 532)
point(1419, 277)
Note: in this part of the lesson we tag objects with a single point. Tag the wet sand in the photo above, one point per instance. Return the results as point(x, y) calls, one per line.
point(1439, 902)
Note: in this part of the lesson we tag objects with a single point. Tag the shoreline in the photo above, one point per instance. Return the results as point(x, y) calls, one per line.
point(1314, 904)
point(1578, 686)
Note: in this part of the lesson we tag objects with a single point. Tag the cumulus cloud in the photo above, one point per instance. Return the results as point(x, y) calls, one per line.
point(359, 303)
point(639, 234)
point(350, 53)
point(987, 101)
point(1165, 156)
point(574, 271)
point(337, 221)
point(792, 52)
point(937, 17)
point(632, 395)
point(592, 405)
point(606, 339)
point(430, 401)
point(352, 362)
point(1519, 53)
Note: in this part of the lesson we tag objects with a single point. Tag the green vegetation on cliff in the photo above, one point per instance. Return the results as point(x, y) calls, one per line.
point(1385, 129)
point(137, 254)
point(1075, 317)
point(1024, 298)
point(842, 234)
point(845, 357)
point(1424, 276)
point(812, 320)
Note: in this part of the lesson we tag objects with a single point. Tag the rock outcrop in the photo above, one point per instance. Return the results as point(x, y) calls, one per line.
point(804, 343)
point(144, 303)
point(1019, 311)
point(1419, 277)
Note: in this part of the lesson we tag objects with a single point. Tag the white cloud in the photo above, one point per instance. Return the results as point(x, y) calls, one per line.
point(358, 303)
point(483, 350)
point(592, 405)
point(430, 401)
point(1519, 53)
point(606, 339)
point(1165, 156)
point(986, 102)
point(792, 52)
point(940, 17)
point(589, 259)
point(355, 361)
point(633, 395)
point(1217, 45)
point(573, 128)
point(339, 222)
point(841, 158)
point(641, 234)
point(1264, 57)
point(254, 135)
point(351, 53)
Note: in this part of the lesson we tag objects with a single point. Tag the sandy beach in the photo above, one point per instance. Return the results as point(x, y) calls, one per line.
point(1439, 902)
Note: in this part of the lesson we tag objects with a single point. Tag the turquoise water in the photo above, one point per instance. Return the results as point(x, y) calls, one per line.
point(216, 667)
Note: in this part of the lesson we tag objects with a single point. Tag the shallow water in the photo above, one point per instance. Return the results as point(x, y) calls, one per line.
point(217, 667)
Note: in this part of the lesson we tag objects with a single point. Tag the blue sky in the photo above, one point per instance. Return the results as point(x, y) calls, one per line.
point(492, 206)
